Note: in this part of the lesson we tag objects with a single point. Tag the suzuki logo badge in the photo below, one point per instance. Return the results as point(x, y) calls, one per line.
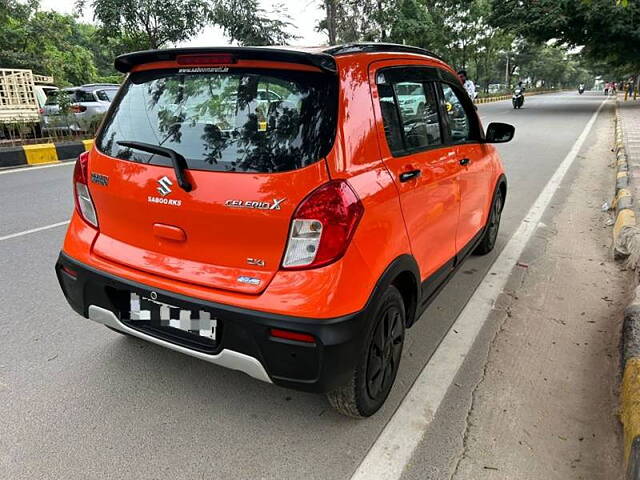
point(165, 184)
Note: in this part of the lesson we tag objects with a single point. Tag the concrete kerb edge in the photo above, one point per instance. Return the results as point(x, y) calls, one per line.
point(42, 153)
point(626, 242)
point(625, 223)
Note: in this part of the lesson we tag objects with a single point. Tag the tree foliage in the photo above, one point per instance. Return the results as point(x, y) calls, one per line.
point(151, 24)
point(608, 30)
point(245, 22)
point(47, 42)
point(148, 24)
point(465, 32)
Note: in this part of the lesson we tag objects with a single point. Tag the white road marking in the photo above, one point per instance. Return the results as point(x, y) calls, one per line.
point(33, 230)
point(395, 446)
point(31, 169)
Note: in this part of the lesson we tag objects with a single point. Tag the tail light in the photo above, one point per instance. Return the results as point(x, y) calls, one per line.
point(84, 204)
point(78, 108)
point(322, 226)
point(41, 111)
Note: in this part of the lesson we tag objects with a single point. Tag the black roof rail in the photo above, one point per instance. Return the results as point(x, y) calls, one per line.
point(124, 63)
point(378, 47)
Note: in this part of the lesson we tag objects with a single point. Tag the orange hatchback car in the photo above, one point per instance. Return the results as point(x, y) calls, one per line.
point(283, 212)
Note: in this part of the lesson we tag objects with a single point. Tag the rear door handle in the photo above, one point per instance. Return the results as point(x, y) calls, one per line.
point(411, 174)
point(464, 162)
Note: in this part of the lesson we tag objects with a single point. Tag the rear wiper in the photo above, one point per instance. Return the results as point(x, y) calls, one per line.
point(179, 162)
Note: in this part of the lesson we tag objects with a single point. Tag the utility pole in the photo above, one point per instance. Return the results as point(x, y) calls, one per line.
point(506, 73)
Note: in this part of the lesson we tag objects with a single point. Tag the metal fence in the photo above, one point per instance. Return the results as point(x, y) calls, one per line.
point(27, 133)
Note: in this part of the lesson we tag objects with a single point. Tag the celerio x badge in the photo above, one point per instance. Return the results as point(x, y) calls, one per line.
point(275, 205)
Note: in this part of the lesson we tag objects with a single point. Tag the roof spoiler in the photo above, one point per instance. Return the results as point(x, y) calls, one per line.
point(125, 63)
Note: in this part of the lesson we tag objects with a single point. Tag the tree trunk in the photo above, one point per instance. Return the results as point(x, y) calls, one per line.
point(331, 7)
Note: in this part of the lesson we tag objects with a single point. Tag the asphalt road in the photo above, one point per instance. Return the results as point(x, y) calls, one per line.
point(78, 401)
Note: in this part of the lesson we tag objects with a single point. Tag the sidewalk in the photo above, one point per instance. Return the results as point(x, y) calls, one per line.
point(546, 406)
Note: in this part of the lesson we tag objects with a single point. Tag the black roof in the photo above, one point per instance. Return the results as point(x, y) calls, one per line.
point(378, 48)
point(321, 57)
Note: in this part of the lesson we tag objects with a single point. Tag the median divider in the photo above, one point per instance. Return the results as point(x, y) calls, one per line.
point(42, 153)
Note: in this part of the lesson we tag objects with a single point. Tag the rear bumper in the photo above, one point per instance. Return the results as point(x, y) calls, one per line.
point(244, 342)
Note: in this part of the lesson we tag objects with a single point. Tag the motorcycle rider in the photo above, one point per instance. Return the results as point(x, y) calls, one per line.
point(518, 95)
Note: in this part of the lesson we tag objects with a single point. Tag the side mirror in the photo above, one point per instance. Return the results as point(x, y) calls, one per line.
point(499, 133)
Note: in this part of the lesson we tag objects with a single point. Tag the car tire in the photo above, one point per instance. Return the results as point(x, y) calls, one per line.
point(490, 235)
point(377, 366)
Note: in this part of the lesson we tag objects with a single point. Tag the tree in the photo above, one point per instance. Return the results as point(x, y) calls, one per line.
point(45, 42)
point(608, 30)
point(329, 23)
point(245, 22)
point(148, 24)
point(152, 24)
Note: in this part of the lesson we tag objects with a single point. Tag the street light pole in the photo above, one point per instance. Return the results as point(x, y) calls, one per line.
point(506, 72)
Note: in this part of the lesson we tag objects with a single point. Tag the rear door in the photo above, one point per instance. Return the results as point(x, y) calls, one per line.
point(87, 109)
point(251, 161)
point(424, 169)
point(53, 111)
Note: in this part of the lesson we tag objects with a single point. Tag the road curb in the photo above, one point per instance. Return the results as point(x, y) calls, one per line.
point(625, 232)
point(626, 245)
point(42, 153)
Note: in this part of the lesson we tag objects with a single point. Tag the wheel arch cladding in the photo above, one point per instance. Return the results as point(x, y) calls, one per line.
point(502, 187)
point(403, 273)
point(407, 285)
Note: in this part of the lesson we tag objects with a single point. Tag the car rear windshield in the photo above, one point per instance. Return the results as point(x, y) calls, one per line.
point(75, 96)
point(236, 120)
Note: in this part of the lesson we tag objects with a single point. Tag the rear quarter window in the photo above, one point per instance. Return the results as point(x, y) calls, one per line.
point(106, 95)
point(241, 120)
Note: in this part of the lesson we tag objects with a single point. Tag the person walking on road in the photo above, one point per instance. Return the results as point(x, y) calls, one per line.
point(467, 84)
point(629, 90)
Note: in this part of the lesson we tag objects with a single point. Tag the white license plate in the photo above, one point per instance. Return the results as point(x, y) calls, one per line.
point(197, 322)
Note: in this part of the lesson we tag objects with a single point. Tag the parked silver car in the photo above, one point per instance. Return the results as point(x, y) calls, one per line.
point(87, 104)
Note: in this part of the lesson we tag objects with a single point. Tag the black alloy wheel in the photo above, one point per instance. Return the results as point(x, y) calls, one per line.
point(385, 350)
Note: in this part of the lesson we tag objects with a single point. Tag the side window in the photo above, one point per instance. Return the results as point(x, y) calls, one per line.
point(410, 115)
point(391, 119)
point(102, 96)
point(82, 96)
point(458, 120)
point(419, 115)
